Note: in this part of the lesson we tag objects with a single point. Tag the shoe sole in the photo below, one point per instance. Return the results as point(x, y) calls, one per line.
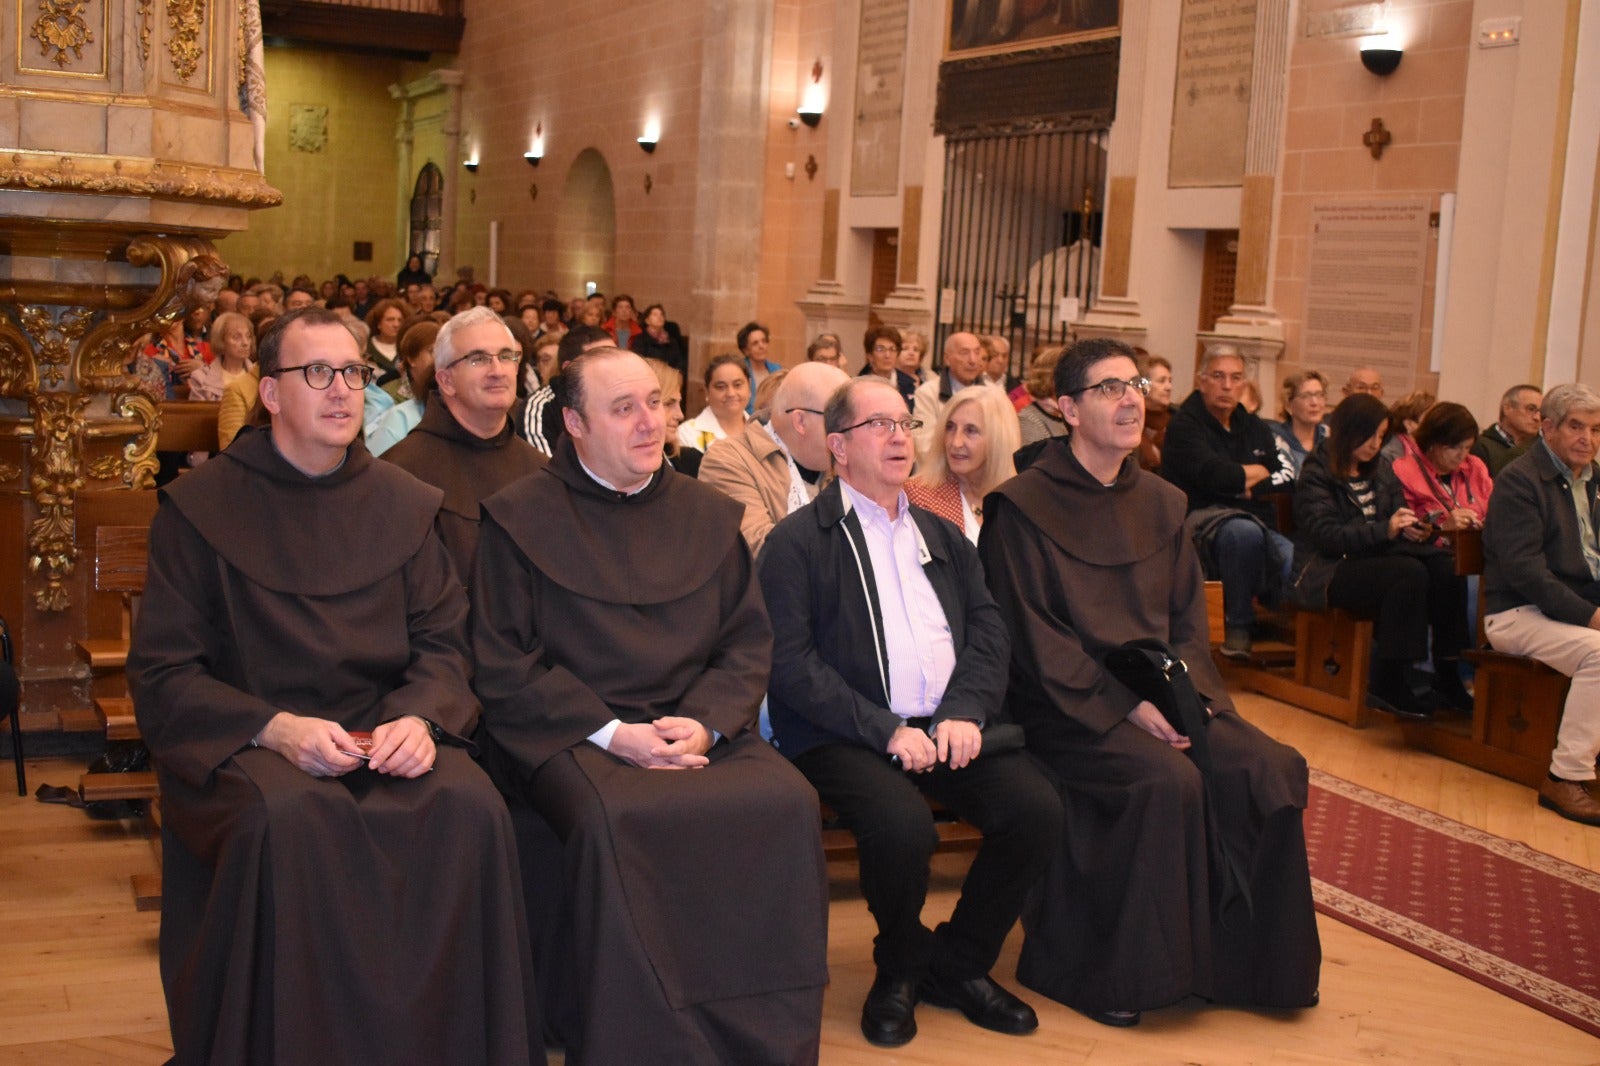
point(1133, 1019)
point(1568, 815)
point(880, 1042)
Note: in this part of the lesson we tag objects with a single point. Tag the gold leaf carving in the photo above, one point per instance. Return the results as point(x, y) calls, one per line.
point(57, 446)
point(9, 472)
point(139, 455)
point(118, 177)
point(54, 339)
point(19, 374)
point(185, 21)
point(191, 275)
point(107, 468)
point(146, 13)
point(61, 26)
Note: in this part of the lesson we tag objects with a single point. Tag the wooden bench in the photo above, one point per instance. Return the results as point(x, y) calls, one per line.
point(120, 557)
point(954, 834)
point(187, 426)
point(1516, 702)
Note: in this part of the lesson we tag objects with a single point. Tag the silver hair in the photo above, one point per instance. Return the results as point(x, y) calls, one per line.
point(1219, 351)
point(444, 348)
point(1562, 400)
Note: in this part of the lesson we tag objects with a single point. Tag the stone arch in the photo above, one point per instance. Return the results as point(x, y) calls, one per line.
point(586, 226)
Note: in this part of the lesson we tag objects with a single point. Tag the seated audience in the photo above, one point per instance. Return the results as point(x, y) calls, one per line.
point(980, 437)
point(1225, 459)
point(541, 371)
point(884, 679)
point(1041, 418)
point(233, 342)
point(415, 360)
point(1300, 426)
point(1157, 409)
point(882, 345)
point(698, 900)
point(913, 355)
point(659, 339)
point(386, 321)
point(237, 405)
point(623, 325)
point(1172, 876)
point(963, 366)
point(727, 380)
point(768, 389)
point(165, 364)
point(1404, 417)
point(1445, 485)
point(755, 340)
point(340, 879)
point(1359, 547)
point(1364, 379)
point(537, 417)
point(412, 273)
point(997, 362)
point(775, 467)
point(827, 348)
point(464, 444)
point(1514, 433)
point(684, 460)
point(1541, 582)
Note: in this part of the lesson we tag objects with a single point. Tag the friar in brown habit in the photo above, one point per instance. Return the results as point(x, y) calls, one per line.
point(322, 903)
point(622, 652)
point(1084, 552)
point(464, 443)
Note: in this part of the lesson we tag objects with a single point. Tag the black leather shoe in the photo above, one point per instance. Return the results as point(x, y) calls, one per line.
point(984, 1003)
point(889, 1016)
point(1122, 1019)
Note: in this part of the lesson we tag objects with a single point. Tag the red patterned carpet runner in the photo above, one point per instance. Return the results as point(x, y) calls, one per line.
point(1517, 920)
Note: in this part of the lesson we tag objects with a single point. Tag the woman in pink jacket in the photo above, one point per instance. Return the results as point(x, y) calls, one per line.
point(1444, 483)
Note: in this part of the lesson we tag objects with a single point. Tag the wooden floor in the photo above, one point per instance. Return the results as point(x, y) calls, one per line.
point(78, 982)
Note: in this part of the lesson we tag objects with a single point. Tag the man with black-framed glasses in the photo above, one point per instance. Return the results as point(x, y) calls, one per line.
point(300, 677)
point(465, 443)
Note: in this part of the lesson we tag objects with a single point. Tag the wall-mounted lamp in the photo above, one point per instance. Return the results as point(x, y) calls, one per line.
point(532, 158)
point(1381, 54)
point(471, 165)
point(812, 100)
point(651, 136)
point(535, 151)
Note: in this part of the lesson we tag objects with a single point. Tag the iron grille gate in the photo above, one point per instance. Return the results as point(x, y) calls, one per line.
point(1020, 232)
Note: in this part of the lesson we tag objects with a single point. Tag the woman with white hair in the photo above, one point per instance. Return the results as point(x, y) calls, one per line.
point(980, 435)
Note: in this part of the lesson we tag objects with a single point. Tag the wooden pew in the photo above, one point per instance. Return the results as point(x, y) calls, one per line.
point(187, 426)
point(1516, 702)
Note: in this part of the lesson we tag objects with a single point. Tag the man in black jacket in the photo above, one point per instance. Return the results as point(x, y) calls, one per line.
point(1224, 458)
point(1541, 582)
point(889, 660)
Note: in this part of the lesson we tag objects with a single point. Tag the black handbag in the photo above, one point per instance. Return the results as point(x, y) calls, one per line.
point(1155, 674)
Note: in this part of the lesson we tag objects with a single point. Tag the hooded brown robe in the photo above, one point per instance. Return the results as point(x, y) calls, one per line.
point(1128, 917)
point(698, 898)
point(359, 918)
point(443, 453)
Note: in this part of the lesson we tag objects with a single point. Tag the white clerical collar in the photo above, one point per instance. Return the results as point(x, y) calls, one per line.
point(606, 484)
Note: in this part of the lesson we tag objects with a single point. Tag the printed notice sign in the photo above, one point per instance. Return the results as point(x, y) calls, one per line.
point(880, 92)
point(1368, 264)
point(1211, 104)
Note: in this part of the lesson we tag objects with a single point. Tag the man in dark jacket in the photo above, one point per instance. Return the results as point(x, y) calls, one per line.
point(1224, 458)
point(1514, 432)
point(889, 661)
point(1541, 581)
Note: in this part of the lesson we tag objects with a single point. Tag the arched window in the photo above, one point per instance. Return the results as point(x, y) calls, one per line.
point(427, 216)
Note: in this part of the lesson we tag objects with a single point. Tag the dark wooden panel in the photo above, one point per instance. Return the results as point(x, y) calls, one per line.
point(1072, 86)
point(405, 34)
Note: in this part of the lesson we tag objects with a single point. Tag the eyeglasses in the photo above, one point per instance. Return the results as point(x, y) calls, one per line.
point(884, 349)
point(1113, 388)
point(1223, 375)
point(1311, 396)
point(807, 410)
point(882, 427)
point(479, 360)
point(320, 376)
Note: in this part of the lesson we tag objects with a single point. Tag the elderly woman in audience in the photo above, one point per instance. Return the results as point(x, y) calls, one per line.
point(827, 348)
point(727, 395)
point(1404, 417)
point(416, 368)
point(913, 351)
point(1305, 402)
point(882, 345)
point(684, 459)
point(167, 362)
point(1359, 547)
point(1444, 483)
point(1157, 408)
point(233, 342)
point(385, 321)
point(980, 436)
point(1041, 419)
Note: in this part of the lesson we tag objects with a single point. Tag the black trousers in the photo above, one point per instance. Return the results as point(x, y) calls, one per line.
point(1006, 796)
point(1406, 594)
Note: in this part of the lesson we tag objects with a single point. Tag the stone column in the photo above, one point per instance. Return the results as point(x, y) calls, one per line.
point(123, 153)
point(1252, 325)
point(450, 82)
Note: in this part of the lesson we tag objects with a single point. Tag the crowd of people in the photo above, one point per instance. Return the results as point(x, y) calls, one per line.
point(431, 680)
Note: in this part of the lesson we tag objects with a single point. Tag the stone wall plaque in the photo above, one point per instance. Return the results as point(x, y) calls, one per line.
point(308, 127)
point(1364, 286)
point(1211, 101)
point(880, 92)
